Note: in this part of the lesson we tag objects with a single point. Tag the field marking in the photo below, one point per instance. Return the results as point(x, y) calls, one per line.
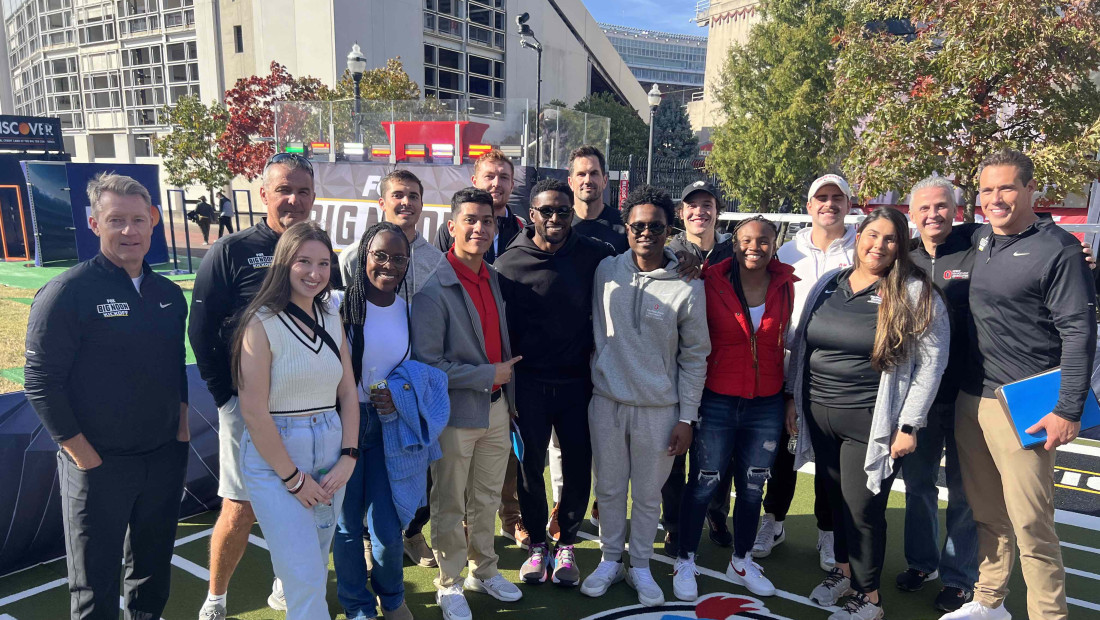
point(194, 537)
point(191, 567)
point(1086, 604)
point(1080, 547)
point(1078, 448)
point(8, 600)
point(259, 542)
point(6, 617)
point(1082, 573)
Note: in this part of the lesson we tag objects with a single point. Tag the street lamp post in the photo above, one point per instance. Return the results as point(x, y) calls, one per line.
point(357, 66)
point(654, 96)
point(524, 32)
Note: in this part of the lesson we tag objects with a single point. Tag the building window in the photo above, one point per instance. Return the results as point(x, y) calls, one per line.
point(143, 145)
point(103, 145)
point(238, 39)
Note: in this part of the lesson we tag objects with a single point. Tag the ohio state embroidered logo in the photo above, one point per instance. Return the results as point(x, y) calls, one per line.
point(956, 274)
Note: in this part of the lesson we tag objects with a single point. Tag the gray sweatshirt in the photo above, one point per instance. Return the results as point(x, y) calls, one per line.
point(651, 336)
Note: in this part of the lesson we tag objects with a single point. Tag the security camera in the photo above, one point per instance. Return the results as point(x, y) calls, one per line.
point(522, 19)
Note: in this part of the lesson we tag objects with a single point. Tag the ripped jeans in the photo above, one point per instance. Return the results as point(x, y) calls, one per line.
point(746, 430)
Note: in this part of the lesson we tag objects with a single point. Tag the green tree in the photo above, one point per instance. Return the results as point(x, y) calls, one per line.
point(973, 77)
point(629, 133)
point(776, 137)
point(189, 152)
point(672, 134)
point(387, 83)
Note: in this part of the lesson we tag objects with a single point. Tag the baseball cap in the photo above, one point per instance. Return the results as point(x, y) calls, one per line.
point(829, 179)
point(701, 186)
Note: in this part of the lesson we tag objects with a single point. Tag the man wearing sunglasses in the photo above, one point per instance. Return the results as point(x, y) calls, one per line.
point(229, 277)
point(546, 279)
point(652, 343)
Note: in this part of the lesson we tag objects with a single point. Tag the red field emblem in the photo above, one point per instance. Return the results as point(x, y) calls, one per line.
point(719, 606)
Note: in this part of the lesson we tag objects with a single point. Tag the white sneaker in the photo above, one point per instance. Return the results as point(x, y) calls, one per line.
point(976, 611)
point(606, 574)
point(745, 572)
point(683, 579)
point(277, 600)
point(649, 593)
point(496, 586)
point(826, 559)
point(858, 607)
point(770, 534)
point(835, 587)
point(452, 602)
point(210, 611)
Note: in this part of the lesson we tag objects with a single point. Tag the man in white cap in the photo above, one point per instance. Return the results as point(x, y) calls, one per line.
point(826, 245)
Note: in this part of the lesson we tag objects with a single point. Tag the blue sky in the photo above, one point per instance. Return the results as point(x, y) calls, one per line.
point(663, 15)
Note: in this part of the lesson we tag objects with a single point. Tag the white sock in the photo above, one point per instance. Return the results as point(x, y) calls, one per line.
point(216, 598)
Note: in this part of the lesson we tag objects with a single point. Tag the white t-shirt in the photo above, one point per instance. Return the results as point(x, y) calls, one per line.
point(385, 343)
point(757, 314)
point(137, 282)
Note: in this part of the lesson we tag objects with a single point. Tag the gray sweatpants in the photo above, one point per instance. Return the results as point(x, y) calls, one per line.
point(629, 448)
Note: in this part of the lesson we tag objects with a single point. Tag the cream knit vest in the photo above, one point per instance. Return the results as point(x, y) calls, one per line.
point(305, 372)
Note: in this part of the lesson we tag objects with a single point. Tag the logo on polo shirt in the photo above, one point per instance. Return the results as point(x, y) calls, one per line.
point(956, 274)
point(875, 299)
point(261, 260)
point(113, 309)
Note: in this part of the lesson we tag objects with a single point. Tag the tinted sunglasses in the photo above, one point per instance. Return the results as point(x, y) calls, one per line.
point(282, 158)
point(549, 212)
point(382, 258)
point(657, 228)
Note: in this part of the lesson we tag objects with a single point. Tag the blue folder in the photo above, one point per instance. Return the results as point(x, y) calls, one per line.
point(1026, 401)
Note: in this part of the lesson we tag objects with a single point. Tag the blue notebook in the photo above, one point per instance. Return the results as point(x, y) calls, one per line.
point(1026, 402)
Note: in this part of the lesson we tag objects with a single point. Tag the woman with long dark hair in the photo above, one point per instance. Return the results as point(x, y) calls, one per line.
point(865, 365)
point(749, 302)
point(297, 452)
point(376, 323)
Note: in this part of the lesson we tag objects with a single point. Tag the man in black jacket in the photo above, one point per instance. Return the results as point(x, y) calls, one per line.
point(546, 280)
point(1032, 300)
point(105, 373)
point(593, 218)
point(229, 277)
point(494, 173)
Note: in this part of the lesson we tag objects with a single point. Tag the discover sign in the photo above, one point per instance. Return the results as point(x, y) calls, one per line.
point(30, 133)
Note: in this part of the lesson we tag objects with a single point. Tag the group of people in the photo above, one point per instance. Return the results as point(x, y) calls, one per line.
point(406, 383)
point(203, 215)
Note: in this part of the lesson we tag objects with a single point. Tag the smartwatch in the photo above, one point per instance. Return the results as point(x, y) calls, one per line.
point(907, 429)
point(352, 452)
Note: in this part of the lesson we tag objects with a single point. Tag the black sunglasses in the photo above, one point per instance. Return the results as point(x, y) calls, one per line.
point(282, 158)
point(657, 228)
point(549, 212)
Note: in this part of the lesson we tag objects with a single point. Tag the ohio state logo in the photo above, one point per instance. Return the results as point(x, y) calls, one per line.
point(718, 606)
point(956, 274)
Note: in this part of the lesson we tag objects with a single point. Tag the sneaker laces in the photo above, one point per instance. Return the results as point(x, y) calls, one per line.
point(565, 556)
point(644, 577)
point(537, 554)
point(834, 579)
point(520, 530)
point(606, 569)
point(494, 582)
point(683, 564)
point(856, 603)
point(764, 535)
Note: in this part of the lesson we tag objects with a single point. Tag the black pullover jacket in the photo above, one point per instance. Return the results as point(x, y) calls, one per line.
point(107, 361)
point(1033, 302)
point(607, 227)
point(721, 251)
point(548, 299)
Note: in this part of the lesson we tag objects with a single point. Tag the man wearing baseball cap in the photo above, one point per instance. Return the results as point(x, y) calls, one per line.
point(826, 245)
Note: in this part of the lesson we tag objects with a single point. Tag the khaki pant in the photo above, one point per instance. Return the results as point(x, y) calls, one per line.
point(471, 471)
point(1011, 492)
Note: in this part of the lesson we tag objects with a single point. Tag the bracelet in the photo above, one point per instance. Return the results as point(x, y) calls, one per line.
point(298, 487)
point(292, 474)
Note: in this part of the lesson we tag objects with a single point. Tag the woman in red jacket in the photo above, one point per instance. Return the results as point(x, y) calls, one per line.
point(749, 303)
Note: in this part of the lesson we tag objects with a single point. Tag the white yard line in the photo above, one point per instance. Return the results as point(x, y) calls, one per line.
point(1082, 573)
point(195, 536)
point(8, 600)
point(259, 542)
point(191, 567)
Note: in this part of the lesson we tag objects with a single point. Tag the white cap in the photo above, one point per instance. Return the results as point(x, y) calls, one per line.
point(829, 179)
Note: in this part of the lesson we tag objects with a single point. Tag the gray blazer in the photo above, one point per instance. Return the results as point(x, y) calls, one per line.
point(905, 392)
point(446, 334)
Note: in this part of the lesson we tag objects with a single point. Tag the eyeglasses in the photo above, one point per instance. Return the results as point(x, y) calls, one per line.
point(397, 260)
point(296, 161)
point(657, 228)
point(549, 212)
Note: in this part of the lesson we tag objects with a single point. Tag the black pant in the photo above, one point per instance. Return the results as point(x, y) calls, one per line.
point(673, 491)
point(561, 405)
point(126, 508)
point(224, 222)
point(840, 438)
point(780, 488)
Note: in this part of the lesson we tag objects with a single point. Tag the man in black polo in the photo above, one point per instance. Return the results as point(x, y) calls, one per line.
point(593, 218)
point(546, 279)
point(105, 373)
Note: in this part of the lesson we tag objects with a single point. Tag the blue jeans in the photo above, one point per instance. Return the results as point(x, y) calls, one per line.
point(368, 493)
point(299, 549)
point(958, 560)
point(746, 430)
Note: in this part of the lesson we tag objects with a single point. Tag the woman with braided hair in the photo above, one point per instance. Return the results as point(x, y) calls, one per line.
point(376, 324)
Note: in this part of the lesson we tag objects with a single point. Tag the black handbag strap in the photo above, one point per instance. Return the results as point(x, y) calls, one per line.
point(317, 330)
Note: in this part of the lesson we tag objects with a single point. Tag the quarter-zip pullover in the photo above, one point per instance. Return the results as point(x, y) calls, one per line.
point(607, 227)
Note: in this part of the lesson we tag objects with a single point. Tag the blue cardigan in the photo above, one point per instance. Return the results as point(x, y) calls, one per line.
point(410, 435)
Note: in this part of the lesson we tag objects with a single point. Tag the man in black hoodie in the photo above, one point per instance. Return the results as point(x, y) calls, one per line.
point(546, 279)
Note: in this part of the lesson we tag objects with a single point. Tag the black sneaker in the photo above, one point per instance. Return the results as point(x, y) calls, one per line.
point(912, 579)
point(719, 533)
point(951, 599)
point(672, 545)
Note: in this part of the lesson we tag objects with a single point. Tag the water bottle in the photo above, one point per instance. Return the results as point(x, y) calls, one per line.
point(792, 444)
point(323, 514)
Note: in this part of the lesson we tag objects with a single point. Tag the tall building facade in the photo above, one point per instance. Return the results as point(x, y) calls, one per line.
point(676, 62)
point(728, 23)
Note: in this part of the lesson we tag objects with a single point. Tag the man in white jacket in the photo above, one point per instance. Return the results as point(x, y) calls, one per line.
point(826, 245)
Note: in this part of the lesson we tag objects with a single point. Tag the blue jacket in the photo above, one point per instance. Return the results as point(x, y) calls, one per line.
point(410, 435)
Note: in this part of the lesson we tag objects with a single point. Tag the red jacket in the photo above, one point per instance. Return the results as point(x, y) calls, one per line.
point(741, 362)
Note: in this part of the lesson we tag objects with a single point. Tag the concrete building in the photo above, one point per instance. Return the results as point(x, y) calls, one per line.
point(676, 62)
point(728, 23)
point(107, 68)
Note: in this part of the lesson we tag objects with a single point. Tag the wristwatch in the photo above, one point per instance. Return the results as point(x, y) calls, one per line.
point(907, 429)
point(352, 452)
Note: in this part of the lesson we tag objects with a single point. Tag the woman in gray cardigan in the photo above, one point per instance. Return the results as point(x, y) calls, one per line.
point(865, 365)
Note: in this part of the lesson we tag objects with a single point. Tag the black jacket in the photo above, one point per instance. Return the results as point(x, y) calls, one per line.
point(106, 361)
point(1033, 302)
point(508, 226)
point(548, 299)
point(607, 227)
point(950, 270)
point(722, 249)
